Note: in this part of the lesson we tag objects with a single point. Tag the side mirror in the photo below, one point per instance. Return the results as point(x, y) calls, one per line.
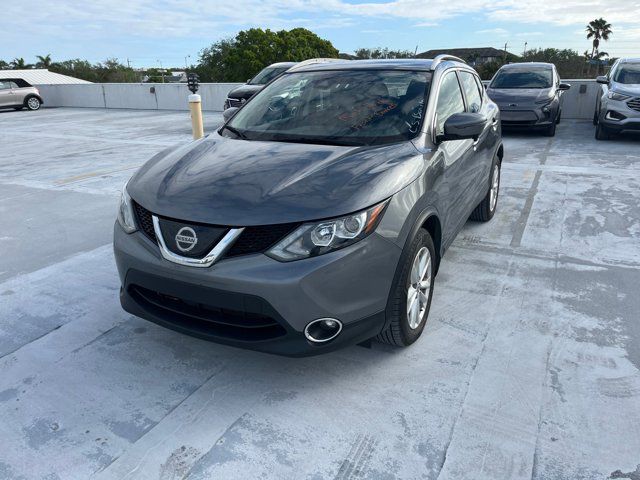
point(564, 87)
point(228, 113)
point(602, 79)
point(461, 126)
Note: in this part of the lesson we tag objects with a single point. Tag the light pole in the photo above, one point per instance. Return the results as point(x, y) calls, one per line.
point(525, 49)
point(161, 70)
point(186, 67)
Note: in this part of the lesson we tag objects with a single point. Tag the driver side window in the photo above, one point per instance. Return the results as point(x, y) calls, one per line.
point(449, 101)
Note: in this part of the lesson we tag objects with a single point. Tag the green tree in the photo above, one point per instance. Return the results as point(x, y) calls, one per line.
point(43, 62)
point(378, 53)
point(4, 65)
point(239, 58)
point(570, 63)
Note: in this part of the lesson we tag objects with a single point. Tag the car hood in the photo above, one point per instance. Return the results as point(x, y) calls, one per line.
point(225, 181)
point(520, 96)
point(631, 89)
point(245, 91)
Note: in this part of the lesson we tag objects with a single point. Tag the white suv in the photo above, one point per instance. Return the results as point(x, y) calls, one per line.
point(618, 105)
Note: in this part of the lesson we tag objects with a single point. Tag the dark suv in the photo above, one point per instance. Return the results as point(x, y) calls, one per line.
point(239, 95)
point(528, 95)
point(318, 215)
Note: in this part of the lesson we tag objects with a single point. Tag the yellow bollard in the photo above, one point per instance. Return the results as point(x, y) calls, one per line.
point(195, 106)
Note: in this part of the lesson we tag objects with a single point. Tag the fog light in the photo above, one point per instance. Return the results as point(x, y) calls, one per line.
point(322, 330)
point(613, 115)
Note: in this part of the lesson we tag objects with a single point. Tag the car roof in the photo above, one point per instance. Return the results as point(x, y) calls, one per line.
point(527, 64)
point(630, 60)
point(386, 64)
point(282, 64)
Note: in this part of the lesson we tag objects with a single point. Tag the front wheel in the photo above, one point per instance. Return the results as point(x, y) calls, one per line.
point(410, 298)
point(602, 133)
point(550, 131)
point(33, 103)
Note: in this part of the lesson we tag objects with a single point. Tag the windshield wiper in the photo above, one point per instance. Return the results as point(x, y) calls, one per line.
point(235, 131)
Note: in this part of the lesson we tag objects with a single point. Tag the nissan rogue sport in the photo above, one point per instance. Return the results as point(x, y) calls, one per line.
point(318, 214)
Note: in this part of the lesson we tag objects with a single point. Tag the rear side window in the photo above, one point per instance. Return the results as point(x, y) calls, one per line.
point(473, 95)
point(449, 100)
point(4, 85)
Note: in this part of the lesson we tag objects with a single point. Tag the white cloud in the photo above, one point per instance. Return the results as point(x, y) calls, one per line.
point(182, 18)
point(494, 31)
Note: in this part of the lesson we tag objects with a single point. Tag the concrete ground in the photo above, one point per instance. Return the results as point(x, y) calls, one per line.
point(529, 366)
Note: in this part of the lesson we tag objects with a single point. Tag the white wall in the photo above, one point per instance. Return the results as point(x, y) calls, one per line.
point(578, 103)
point(145, 96)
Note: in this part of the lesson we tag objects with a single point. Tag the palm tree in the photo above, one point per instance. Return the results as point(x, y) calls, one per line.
point(19, 64)
point(43, 62)
point(598, 29)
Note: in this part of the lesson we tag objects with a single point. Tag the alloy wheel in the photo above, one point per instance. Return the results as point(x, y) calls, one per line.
point(419, 288)
point(495, 186)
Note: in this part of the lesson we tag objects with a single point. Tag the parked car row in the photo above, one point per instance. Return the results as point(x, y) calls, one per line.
point(528, 95)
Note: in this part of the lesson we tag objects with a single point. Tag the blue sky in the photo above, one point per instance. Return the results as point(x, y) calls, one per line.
point(150, 32)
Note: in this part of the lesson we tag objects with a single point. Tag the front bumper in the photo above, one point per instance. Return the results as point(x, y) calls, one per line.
point(618, 117)
point(256, 302)
point(529, 115)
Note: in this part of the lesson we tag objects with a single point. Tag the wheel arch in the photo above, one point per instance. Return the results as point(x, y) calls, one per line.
point(32, 95)
point(432, 225)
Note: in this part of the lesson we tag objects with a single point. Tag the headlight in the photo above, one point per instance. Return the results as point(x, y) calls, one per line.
point(313, 239)
point(546, 101)
point(125, 212)
point(617, 96)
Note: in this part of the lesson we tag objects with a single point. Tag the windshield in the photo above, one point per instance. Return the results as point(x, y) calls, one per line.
point(351, 107)
point(266, 75)
point(529, 78)
point(629, 74)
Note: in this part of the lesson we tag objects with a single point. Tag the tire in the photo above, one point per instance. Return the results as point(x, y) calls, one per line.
point(401, 331)
point(33, 103)
point(559, 117)
point(486, 209)
point(550, 131)
point(602, 133)
point(595, 117)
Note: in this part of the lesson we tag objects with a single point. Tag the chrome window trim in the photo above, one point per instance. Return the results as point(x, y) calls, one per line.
point(204, 262)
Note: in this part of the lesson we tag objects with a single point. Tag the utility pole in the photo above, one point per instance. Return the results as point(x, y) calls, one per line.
point(161, 70)
point(186, 67)
point(128, 63)
point(504, 60)
point(416, 51)
point(525, 49)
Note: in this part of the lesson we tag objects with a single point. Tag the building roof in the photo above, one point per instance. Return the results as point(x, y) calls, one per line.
point(40, 76)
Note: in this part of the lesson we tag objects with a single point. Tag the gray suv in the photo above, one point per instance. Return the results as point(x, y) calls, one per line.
point(18, 94)
point(618, 105)
point(316, 216)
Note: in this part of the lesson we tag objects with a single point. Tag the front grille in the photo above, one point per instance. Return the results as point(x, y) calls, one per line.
point(145, 222)
point(259, 239)
point(634, 104)
point(250, 324)
point(252, 240)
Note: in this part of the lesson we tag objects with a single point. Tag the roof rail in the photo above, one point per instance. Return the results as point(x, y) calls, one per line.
point(443, 58)
point(313, 61)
